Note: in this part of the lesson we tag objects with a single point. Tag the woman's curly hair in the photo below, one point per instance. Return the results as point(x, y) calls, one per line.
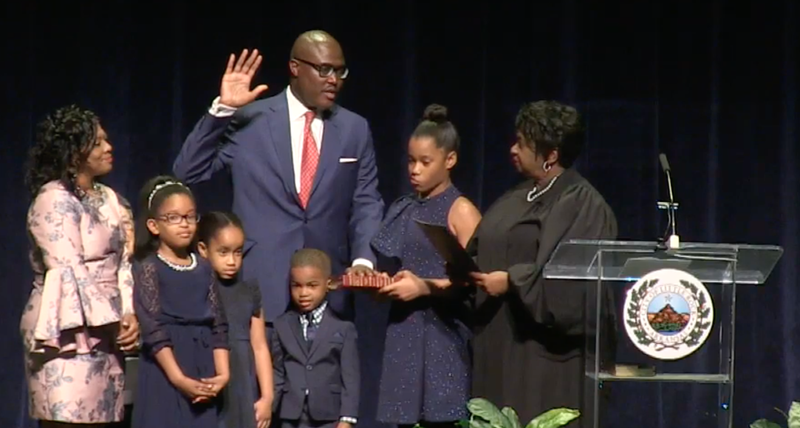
point(548, 126)
point(63, 140)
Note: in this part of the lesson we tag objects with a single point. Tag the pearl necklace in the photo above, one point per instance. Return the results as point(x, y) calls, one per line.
point(535, 193)
point(177, 267)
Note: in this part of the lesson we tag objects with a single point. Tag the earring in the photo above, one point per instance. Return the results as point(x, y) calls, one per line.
point(547, 167)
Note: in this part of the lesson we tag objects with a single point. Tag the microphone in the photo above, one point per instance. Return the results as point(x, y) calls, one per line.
point(673, 242)
point(664, 162)
point(665, 167)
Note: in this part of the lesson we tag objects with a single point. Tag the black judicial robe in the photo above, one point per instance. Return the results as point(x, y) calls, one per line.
point(529, 344)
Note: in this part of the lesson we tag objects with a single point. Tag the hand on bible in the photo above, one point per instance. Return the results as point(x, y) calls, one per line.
point(375, 291)
point(235, 88)
point(360, 270)
point(494, 283)
point(406, 287)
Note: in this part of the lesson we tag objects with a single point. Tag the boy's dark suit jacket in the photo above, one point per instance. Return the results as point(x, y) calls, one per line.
point(326, 370)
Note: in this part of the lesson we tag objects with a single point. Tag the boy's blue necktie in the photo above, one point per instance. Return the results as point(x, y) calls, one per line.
point(311, 328)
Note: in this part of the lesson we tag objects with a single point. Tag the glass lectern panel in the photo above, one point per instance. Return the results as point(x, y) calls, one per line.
point(643, 334)
point(629, 260)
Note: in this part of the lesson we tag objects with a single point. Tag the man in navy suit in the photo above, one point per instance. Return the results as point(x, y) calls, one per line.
point(314, 353)
point(303, 168)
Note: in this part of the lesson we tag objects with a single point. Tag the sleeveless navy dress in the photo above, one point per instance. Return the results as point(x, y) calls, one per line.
point(426, 364)
point(242, 302)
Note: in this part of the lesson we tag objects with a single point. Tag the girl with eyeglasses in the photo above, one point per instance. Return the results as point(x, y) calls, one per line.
point(184, 361)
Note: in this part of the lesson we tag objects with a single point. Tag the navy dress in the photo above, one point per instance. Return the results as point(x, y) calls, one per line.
point(426, 363)
point(242, 302)
point(181, 310)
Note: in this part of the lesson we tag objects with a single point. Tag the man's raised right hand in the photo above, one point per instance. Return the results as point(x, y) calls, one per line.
point(235, 88)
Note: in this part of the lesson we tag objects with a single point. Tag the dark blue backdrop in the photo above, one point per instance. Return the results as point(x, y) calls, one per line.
point(712, 84)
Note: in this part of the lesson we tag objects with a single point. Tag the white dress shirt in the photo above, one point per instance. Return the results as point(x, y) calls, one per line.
point(316, 318)
point(297, 123)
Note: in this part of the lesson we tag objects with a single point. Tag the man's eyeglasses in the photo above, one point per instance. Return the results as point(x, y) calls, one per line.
point(327, 70)
point(177, 219)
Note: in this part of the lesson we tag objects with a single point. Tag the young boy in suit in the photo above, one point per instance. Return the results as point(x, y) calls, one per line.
point(314, 353)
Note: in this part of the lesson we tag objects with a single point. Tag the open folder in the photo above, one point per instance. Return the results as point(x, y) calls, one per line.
point(459, 263)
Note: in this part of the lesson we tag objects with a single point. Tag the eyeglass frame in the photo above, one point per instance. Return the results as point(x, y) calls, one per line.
point(342, 72)
point(181, 218)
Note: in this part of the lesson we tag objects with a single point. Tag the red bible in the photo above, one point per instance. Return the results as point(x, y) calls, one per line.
point(357, 281)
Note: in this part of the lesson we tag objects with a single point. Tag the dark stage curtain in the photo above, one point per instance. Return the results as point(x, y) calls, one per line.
point(714, 85)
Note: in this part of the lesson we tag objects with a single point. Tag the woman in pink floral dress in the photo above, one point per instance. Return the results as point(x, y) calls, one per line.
point(79, 317)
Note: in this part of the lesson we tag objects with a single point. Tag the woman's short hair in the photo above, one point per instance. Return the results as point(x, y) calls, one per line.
point(549, 125)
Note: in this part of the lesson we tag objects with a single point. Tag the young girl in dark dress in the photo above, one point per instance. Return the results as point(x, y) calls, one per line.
point(247, 401)
point(426, 364)
point(184, 359)
point(528, 342)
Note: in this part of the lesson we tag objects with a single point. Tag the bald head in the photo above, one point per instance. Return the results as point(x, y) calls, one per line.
point(310, 40)
point(317, 69)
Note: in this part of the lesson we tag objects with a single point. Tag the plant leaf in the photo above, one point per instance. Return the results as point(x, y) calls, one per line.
point(479, 423)
point(763, 423)
point(554, 418)
point(512, 417)
point(487, 411)
point(794, 415)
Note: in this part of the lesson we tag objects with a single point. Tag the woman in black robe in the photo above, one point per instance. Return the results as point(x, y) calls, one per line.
point(529, 339)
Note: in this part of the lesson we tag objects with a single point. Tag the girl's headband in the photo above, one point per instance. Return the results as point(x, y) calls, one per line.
point(158, 188)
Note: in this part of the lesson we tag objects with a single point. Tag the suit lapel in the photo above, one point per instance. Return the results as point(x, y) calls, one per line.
point(278, 119)
point(331, 149)
point(297, 332)
point(323, 331)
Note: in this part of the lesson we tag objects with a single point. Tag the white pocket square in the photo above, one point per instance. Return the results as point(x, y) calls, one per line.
point(348, 160)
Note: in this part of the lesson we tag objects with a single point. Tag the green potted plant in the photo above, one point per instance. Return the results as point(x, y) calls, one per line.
point(487, 415)
point(792, 419)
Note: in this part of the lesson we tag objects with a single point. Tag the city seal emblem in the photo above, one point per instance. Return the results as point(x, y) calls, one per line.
point(668, 314)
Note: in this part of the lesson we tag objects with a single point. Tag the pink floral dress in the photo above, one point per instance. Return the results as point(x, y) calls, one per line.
point(81, 289)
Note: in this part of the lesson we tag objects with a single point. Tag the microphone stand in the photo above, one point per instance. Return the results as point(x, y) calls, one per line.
point(673, 241)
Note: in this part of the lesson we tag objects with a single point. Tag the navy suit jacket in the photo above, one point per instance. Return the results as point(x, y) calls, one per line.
point(327, 372)
point(344, 210)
